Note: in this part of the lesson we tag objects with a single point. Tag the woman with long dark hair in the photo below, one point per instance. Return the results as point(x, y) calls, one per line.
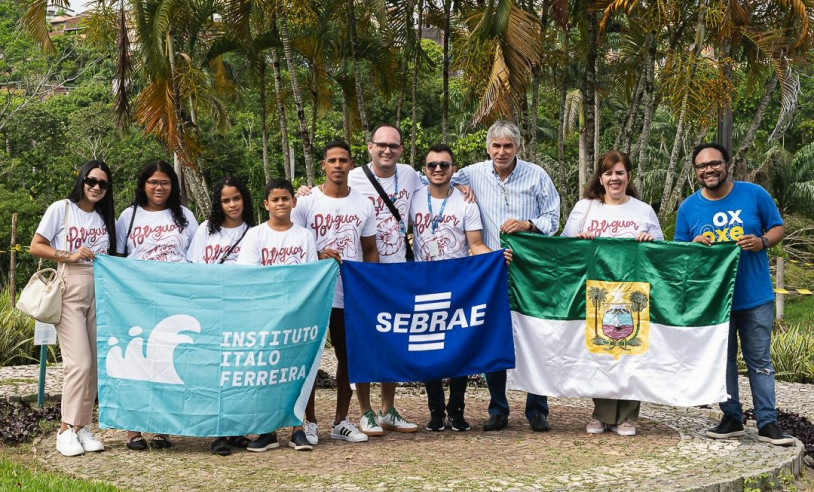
point(72, 232)
point(158, 228)
point(611, 208)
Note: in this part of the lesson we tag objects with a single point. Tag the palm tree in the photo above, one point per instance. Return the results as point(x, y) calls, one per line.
point(639, 301)
point(597, 296)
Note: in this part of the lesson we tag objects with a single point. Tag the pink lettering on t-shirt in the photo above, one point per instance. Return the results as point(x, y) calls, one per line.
point(140, 233)
point(77, 236)
point(286, 255)
point(611, 228)
point(423, 220)
point(322, 223)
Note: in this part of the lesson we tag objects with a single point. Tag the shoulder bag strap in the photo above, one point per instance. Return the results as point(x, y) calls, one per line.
point(585, 217)
point(390, 206)
point(229, 251)
point(130, 228)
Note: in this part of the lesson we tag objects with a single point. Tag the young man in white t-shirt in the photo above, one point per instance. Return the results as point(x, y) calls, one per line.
point(344, 226)
point(445, 226)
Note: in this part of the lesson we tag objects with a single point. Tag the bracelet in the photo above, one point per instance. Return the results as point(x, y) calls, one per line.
point(58, 253)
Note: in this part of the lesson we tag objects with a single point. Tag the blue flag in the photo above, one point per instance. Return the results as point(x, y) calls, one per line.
point(420, 321)
point(208, 350)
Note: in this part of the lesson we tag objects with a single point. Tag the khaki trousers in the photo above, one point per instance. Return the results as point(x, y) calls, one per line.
point(77, 341)
point(615, 412)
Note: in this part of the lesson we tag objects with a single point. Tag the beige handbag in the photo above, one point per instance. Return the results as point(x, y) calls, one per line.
point(42, 297)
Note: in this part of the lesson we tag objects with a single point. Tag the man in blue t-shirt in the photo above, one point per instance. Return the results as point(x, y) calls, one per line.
point(725, 210)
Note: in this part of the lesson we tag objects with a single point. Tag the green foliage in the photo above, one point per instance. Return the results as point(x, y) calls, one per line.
point(17, 477)
point(17, 336)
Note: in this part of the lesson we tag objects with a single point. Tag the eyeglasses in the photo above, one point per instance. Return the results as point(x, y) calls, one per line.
point(442, 164)
point(381, 146)
point(91, 182)
point(713, 164)
point(154, 183)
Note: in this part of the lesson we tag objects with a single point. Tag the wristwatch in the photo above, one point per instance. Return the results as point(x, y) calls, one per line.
point(765, 242)
point(531, 224)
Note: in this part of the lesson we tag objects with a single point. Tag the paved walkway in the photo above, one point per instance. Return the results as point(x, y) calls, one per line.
point(670, 452)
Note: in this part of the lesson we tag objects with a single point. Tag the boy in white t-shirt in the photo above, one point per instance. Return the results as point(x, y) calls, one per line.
point(279, 241)
point(343, 224)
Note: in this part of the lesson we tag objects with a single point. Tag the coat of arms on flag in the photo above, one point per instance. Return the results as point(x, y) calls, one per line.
point(617, 317)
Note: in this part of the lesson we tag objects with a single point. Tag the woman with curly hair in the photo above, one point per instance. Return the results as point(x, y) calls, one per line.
point(73, 232)
point(158, 228)
point(218, 238)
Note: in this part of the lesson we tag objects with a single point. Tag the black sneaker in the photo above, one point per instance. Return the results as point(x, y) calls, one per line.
point(300, 442)
point(458, 423)
point(772, 433)
point(264, 442)
point(539, 423)
point(436, 423)
point(496, 422)
point(728, 427)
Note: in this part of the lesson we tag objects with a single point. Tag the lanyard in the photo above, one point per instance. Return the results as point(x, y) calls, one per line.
point(437, 218)
point(395, 194)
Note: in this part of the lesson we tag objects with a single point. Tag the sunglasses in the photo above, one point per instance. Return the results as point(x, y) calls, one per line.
point(91, 182)
point(444, 165)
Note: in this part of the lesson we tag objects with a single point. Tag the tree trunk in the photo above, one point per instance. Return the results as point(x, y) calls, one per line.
point(725, 112)
point(345, 118)
point(670, 176)
point(738, 162)
point(589, 92)
point(649, 99)
point(445, 70)
point(532, 119)
point(278, 91)
point(357, 73)
point(563, 173)
point(416, 59)
point(179, 149)
point(261, 82)
point(295, 88)
point(625, 135)
point(675, 194)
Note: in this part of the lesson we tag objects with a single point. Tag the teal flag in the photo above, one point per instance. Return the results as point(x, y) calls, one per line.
point(208, 350)
point(616, 318)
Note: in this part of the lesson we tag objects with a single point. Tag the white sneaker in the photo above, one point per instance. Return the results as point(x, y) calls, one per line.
point(311, 431)
point(89, 443)
point(68, 444)
point(370, 424)
point(346, 431)
point(392, 421)
point(623, 429)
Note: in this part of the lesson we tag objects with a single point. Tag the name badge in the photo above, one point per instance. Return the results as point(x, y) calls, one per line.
point(432, 247)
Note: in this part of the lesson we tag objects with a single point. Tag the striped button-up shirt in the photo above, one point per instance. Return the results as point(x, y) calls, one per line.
point(527, 194)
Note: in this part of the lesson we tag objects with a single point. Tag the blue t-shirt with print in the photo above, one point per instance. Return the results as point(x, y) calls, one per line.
point(747, 209)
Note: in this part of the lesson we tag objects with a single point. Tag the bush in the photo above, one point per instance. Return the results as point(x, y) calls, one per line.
point(792, 354)
point(17, 336)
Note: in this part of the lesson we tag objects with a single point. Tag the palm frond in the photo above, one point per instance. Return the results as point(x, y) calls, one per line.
point(33, 22)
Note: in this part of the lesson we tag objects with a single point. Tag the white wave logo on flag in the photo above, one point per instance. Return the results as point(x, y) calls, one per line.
point(431, 341)
point(158, 366)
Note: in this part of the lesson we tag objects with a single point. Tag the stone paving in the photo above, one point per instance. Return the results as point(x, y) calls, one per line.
point(688, 461)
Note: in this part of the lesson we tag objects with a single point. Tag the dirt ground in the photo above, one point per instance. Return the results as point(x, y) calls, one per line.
point(512, 458)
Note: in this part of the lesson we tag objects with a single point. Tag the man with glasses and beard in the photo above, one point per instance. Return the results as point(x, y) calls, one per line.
point(724, 210)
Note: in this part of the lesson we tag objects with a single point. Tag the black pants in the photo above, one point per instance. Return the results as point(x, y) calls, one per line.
point(435, 396)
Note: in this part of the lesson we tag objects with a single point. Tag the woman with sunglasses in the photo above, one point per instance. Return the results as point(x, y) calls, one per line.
point(72, 232)
point(611, 208)
point(218, 241)
point(158, 228)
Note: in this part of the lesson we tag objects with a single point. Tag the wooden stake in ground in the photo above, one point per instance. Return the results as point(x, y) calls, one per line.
point(12, 287)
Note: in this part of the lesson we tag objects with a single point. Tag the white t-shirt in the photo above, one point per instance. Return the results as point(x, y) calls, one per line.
point(262, 245)
point(84, 228)
point(627, 220)
point(389, 236)
point(210, 248)
point(154, 235)
point(338, 224)
point(449, 238)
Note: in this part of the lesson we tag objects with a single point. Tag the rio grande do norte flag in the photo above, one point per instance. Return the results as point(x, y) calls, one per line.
point(425, 320)
point(208, 350)
point(615, 318)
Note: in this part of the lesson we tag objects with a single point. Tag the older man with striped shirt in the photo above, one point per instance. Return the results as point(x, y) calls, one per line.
point(513, 196)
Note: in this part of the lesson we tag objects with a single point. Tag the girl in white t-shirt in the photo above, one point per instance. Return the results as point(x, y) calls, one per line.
point(156, 227)
point(610, 209)
point(72, 232)
point(220, 238)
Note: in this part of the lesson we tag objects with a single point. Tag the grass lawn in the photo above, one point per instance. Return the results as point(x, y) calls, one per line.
point(18, 477)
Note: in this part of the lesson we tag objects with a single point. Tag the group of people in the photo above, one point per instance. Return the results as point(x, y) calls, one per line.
point(363, 214)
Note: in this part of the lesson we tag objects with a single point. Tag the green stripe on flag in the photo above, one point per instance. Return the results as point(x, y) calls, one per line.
point(690, 284)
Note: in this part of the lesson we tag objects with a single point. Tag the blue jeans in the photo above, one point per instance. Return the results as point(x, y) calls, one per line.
point(499, 405)
point(754, 328)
